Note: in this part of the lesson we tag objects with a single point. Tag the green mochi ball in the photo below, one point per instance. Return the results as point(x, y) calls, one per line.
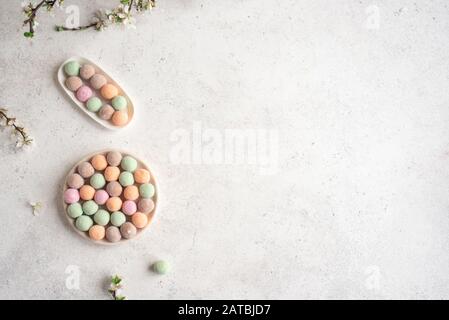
point(97, 181)
point(161, 267)
point(72, 68)
point(146, 190)
point(126, 179)
point(118, 218)
point(102, 217)
point(74, 210)
point(83, 223)
point(129, 164)
point(93, 104)
point(90, 207)
point(119, 103)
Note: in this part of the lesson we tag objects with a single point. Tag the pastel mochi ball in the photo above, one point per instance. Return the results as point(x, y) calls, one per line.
point(109, 91)
point(86, 170)
point(142, 176)
point(97, 181)
point(87, 71)
point(114, 189)
point(145, 205)
point(72, 68)
point(99, 162)
point(161, 267)
point(74, 210)
point(131, 193)
point(83, 93)
point(113, 234)
point(128, 230)
point(119, 118)
point(111, 173)
point(75, 181)
point(126, 178)
point(106, 112)
point(93, 104)
point(114, 158)
point(101, 196)
point(71, 196)
point(129, 164)
point(119, 103)
point(114, 204)
point(73, 83)
point(97, 81)
point(87, 192)
point(146, 190)
point(83, 223)
point(102, 217)
point(129, 207)
point(139, 219)
point(90, 207)
point(118, 218)
point(97, 232)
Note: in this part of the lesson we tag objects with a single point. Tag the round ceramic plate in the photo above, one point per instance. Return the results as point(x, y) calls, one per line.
point(150, 215)
point(105, 123)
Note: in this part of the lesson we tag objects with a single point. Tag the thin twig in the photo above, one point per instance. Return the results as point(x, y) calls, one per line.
point(12, 123)
point(30, 20)
point(63, 28)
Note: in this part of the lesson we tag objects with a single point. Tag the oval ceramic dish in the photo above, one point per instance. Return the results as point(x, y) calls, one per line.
point(105, 123)
point(150, 215)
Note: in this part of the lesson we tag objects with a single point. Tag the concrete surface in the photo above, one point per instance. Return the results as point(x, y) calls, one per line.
point(354, 95)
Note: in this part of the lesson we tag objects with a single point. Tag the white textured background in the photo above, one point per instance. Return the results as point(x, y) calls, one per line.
point(359, 207)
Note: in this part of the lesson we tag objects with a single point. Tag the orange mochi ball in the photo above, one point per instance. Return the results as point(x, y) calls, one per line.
point(114, 204)
point(111, 174)
point(87, 192)
point(139, 219)
point(120, 118)
point(131, 193)
point(109, 91)
point(142, 176)
point(99, 162)
point(97, 232)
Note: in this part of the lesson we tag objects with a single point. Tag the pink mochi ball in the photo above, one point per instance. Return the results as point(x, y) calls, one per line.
point(83, 93)
point(71, 196)
point(129, 207)
point(101, 196)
